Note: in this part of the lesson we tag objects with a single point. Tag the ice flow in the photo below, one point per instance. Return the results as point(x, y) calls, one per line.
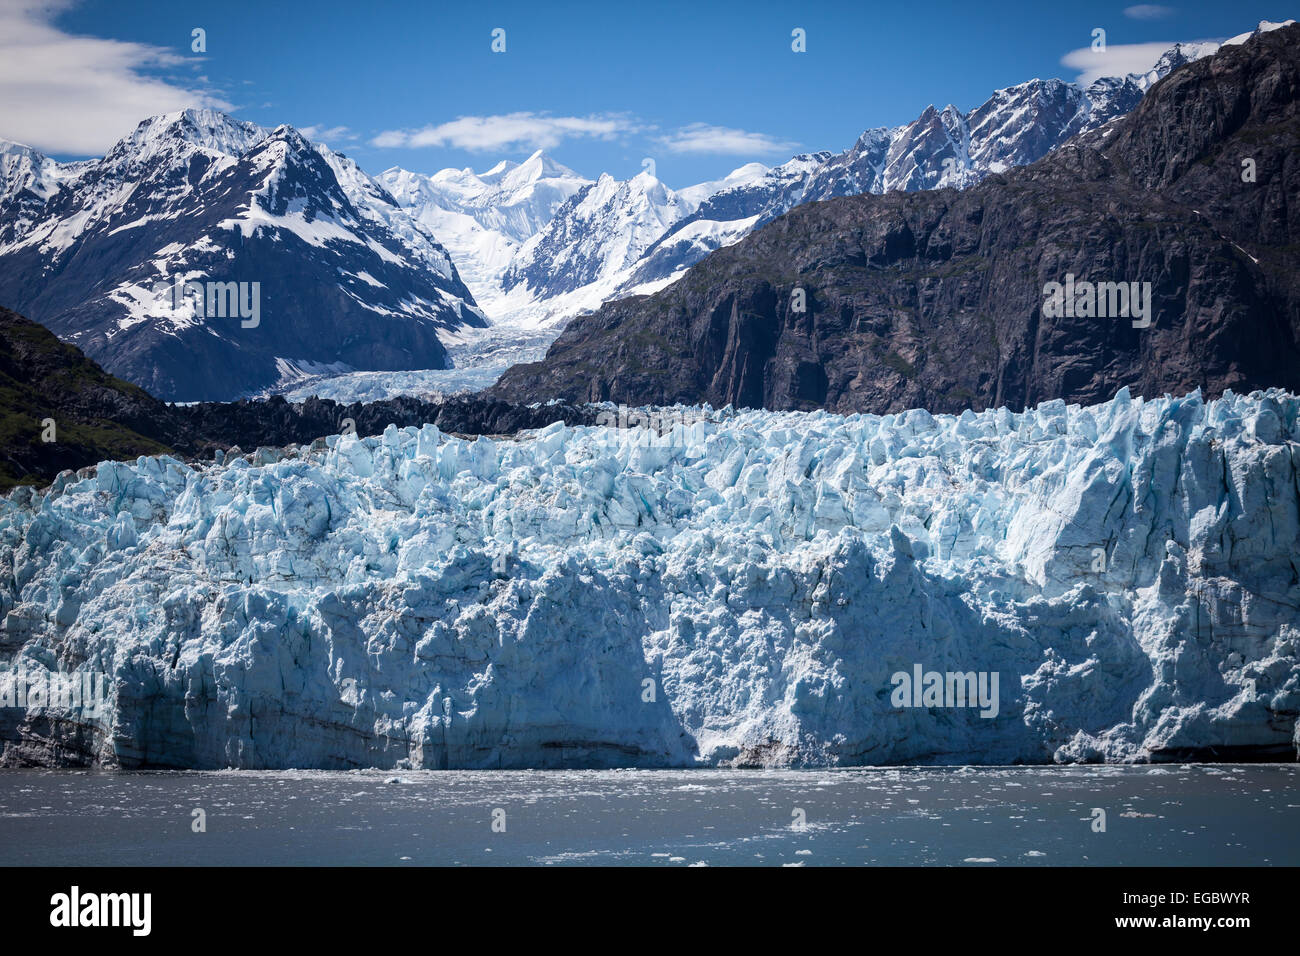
point(735, 591)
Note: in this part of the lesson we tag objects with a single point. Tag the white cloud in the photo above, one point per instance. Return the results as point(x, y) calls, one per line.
point(1148, 11)
point(78, 95)
point(720, 140)
point(1118, 59)
point(511, 131)
point(328, 134)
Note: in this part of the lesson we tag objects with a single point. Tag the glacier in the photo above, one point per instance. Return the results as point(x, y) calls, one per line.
point(676, 587)
point(477, 359)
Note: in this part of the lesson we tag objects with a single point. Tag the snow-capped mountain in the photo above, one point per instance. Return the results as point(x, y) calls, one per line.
point(483, 219)
point(361, 273)
point(595, 235)
point(340, 276)
point(23, 169)
point(515, 199)
point(935, 299)
point(28, 180)
point(940, 148)
point(537, 243)
point(534, 260)
point(596, 240)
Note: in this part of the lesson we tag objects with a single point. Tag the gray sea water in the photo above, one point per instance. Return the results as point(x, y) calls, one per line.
point(1153, 815)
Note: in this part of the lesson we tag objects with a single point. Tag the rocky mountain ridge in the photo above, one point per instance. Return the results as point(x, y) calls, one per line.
point(939, 299)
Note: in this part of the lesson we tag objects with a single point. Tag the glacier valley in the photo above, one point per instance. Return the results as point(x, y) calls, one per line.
point(676, 588)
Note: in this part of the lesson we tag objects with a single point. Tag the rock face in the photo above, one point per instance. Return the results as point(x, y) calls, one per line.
point(937, 299)
point(275, 422)
point(717, 588)
point(345, 278)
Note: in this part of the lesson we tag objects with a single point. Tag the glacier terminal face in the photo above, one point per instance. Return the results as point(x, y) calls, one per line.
point(678, 587)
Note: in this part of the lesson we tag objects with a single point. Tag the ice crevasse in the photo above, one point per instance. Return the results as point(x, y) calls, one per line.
point(737, 589)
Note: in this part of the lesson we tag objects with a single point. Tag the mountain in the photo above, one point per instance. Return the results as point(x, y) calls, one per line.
point(940, 299)
point(537, 268)
point(344, 278)
point(94, 415)
point(355, 273)
point(535, 242)
point(28, 180)
point(941, 147)
point(482, 220)
point(739, 590)
point(514, 199)
point(593, 237)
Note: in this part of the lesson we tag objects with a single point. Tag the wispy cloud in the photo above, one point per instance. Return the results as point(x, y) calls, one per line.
point(510, 131)
point(328, 134)
point(1118, 59)
point(721, 140)
point(78, 95)
point(1148, 11)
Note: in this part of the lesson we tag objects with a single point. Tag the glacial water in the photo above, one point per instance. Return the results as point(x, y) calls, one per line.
point(1153, 815)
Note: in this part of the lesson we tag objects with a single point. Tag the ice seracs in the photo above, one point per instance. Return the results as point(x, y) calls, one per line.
point(721, 588)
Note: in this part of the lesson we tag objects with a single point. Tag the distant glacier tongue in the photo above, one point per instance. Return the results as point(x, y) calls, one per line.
point(734, 589)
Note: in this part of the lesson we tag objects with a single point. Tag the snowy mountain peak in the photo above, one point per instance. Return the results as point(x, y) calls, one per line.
point(23, 168)
point(345, 276)
point(601, 230)
point(1182, 53)
point(492, 175)
point(451, 175)
point(536, 256)
point(10, 148)
point(739, 177)
point(1265, 26)
point(511, 200)
point(291, 135)
point(746, 172)
point(873, 137)
point(942, 147)
point(203, 128)
point(536, 167)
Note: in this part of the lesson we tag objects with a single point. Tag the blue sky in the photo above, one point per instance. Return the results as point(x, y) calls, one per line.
point(699, 87)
